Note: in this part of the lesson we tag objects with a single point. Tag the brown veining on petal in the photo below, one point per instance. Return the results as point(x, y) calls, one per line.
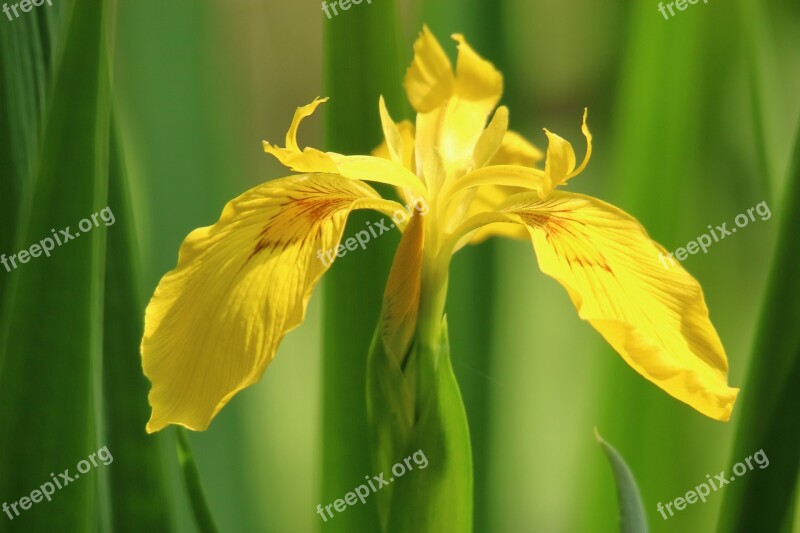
point(561, 232)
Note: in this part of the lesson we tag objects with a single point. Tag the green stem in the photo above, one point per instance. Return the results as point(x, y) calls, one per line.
point(433, 296)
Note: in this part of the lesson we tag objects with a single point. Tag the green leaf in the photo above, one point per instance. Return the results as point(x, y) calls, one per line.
point(363, 60)
point(137, 485)
point(53, 324)
point(25, 74)
point(763, 500)
point(632, 517)
point(202, 513)
point(438, 497)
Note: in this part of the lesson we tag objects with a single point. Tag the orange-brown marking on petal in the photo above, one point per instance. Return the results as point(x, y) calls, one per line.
point(555, 226)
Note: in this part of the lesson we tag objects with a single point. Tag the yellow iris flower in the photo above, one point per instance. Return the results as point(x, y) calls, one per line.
point(215, 322)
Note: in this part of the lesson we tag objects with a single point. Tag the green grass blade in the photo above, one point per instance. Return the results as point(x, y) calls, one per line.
point(632, 517)
point(138, 493)
point(202, 513)
point(763, 500)
point(362, 62)
point(54, 319)
point(25, 74)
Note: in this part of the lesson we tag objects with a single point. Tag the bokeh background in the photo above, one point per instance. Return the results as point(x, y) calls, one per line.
point(694, 121)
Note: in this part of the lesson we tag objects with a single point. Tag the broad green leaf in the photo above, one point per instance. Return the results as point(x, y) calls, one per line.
point(431, 421)
point(769, 412)
point(54, 308)
point(25, 75)
point(138, 494)
point(632, 517)
point(363, 60)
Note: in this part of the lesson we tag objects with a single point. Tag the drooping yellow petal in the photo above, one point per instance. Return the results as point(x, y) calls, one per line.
point(358, 167)
point(651, 311)
point(378, 169)
point(215, 321)
point(308, 159)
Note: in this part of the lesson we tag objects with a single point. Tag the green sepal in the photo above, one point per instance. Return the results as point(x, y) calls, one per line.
point(438, 497)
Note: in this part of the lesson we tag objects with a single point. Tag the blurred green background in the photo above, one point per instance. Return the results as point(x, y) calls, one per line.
point(694, 121)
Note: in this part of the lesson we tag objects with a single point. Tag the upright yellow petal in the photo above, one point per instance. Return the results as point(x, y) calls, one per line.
point(429, 80)
point(215, 321)
point(560, 163)
point(406, 130)
point(476, 79)
point(651, 311)
point(401, 298)
point(516, 150)
point(452, 109)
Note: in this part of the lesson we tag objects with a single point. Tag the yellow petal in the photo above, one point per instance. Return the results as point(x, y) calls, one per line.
point(491, 139)
point(377, 169)
point(651, 312)
point(429, 80)
point(453, 121)
point(516, 150)
point(391, 134)
point(215, 321)
point(486, 199)
point(401, 298)
point(560, 163)
point(406, 130)
point(308, 159)
point(654, 316)
point(476, 79)
point(560, 160)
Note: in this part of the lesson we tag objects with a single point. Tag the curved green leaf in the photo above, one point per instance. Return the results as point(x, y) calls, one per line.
point(632, 517)
point(769, 413)
point(54, 308)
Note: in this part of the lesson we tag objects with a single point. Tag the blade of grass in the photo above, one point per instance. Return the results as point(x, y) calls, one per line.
point(25, 73)
point(138, 493)
point(632, 517)
point(202, 514)
point(53, 339)
point(768, 406)
point(362, 62)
